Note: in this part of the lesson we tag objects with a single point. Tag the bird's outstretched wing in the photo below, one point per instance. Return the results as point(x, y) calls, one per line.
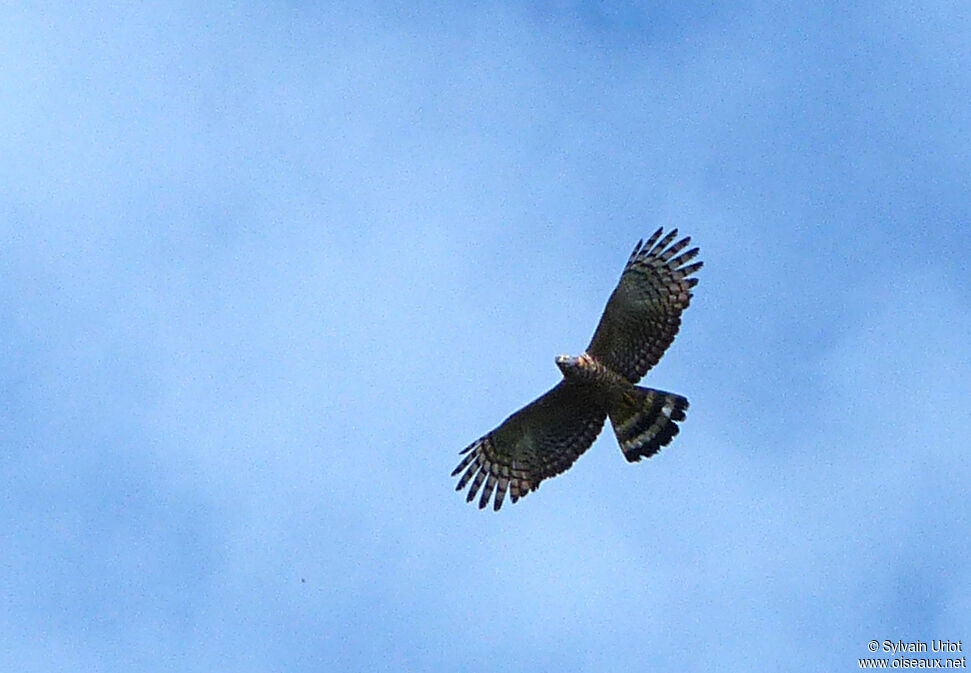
point(540, 440)
point(644, 312)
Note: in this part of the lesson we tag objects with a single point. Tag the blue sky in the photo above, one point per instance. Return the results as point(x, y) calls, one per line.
point(265, 268)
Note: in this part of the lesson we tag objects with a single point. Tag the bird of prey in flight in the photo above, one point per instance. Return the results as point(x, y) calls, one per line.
point(545, 437)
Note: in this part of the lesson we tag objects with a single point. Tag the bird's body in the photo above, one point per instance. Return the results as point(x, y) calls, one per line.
point(585, 369)
point(602, 387)
point(545, 437)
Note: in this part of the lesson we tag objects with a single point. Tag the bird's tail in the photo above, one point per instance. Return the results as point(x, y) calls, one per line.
point(645, 420)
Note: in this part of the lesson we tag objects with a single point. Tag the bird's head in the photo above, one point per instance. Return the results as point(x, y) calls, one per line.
point(567, 364)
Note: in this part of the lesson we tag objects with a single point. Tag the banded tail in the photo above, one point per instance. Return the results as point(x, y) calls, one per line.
point(646, 420)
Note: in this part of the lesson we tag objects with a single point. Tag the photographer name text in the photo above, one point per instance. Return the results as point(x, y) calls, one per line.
point(900, 646)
